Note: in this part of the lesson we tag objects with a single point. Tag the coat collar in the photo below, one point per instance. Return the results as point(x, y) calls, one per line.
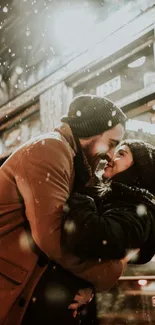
point(65, 130)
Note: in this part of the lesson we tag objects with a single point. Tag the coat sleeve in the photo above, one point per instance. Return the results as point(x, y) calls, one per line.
point(106, 235)
point(43, 176)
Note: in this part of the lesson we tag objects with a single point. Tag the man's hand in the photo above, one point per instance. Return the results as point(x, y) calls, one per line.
point(82, 298)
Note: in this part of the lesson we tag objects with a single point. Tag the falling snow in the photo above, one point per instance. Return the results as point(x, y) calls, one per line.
point(141, 210)
point(113, 113)
point(5, 9)
point(66, 208)
point(69, 226)
point(19, 70)
point(34, 299)
point(78, 113)
point(47, 178)
point(28, 33)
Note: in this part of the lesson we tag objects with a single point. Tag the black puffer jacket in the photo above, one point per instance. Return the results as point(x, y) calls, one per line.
point(122, 219)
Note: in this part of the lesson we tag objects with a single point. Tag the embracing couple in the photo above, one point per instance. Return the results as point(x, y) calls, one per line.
point(62, 237)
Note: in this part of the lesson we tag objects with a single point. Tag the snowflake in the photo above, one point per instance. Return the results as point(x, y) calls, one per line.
point(19, 70)
point(28, 33)
point(141, 210)
point(66, 208)
point(5, 9)
point(69, 226)
point(113, 113)
point(78, 113)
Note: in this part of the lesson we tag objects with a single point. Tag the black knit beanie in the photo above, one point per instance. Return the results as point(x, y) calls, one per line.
point(144, 159)
point(90, 115)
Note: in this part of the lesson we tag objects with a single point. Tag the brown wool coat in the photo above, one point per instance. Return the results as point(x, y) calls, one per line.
point(35, 183)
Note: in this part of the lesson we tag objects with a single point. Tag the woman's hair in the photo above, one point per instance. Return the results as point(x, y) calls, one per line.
point(142, 172)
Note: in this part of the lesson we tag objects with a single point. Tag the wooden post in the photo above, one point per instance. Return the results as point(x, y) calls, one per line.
point(53, 104)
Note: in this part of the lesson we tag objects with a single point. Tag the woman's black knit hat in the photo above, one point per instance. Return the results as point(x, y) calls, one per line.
point(90, 115)
point(144, 158)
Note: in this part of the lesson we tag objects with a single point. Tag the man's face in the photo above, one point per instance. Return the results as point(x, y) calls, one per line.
point(102, 145)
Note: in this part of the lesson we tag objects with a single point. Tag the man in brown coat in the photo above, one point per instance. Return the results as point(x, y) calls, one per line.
point(35, 183)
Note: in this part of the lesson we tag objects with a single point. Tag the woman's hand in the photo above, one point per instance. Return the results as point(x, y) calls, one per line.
point(81, 299)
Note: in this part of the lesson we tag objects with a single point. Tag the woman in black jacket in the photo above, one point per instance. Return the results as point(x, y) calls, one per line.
point(122, 216)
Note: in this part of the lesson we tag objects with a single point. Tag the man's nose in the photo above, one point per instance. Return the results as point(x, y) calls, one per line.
point(110, 154)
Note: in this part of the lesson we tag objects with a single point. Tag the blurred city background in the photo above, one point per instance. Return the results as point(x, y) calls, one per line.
point(52, 50)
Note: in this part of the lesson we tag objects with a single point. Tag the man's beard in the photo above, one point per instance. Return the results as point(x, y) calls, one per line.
point(95, 160)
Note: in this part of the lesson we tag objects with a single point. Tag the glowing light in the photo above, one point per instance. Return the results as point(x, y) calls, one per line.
point(142, 282)
point(137, 63)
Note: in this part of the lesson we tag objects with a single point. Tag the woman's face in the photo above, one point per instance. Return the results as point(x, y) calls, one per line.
point(121, 161)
